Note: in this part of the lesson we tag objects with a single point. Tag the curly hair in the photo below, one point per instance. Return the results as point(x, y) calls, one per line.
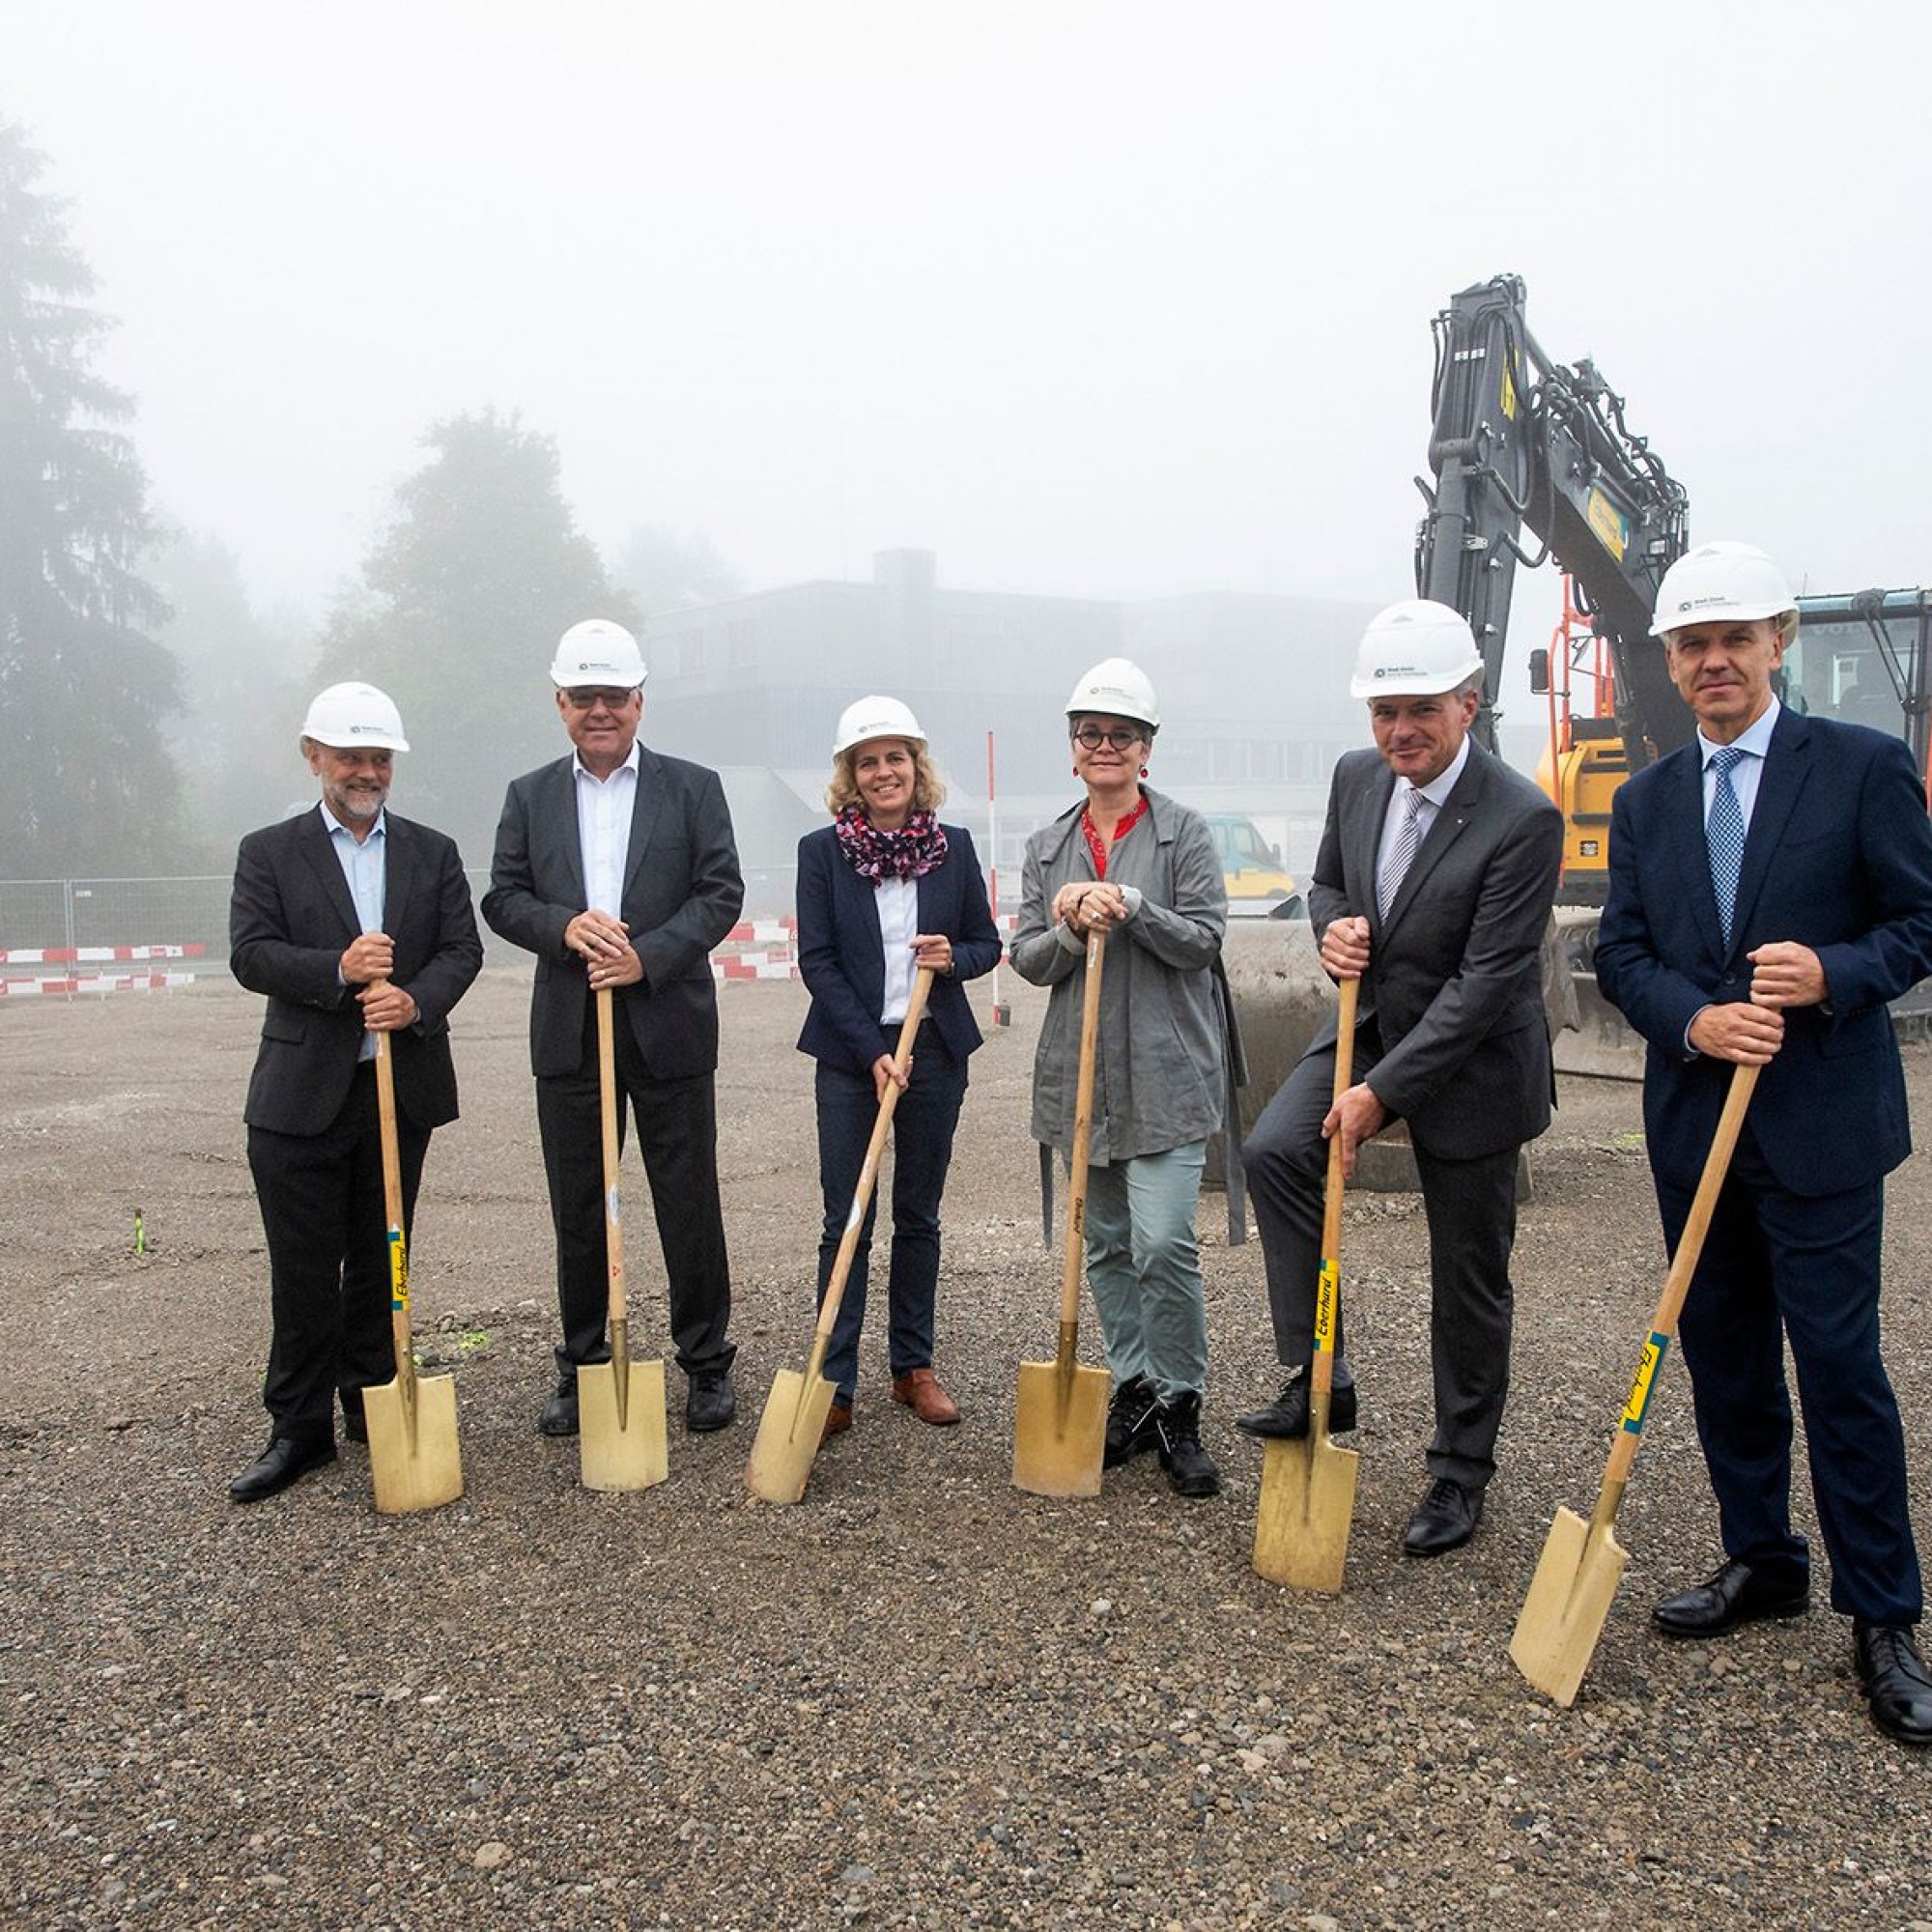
point(929, 788)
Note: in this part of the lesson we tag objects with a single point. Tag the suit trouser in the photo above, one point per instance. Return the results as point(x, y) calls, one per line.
point(677, 1134)
point(322, 1212)
point(1778, 1265)
point(1144, 1267)
point(925, 1118)
point(1471, 1206)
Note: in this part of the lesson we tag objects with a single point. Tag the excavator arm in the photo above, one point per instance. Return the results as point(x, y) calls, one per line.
point(1522, 444)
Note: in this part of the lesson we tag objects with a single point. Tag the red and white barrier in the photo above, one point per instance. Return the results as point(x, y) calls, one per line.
point(130, 982)
point(87, 956)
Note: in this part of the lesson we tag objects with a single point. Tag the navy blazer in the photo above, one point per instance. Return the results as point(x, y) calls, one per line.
point(682, 894)
point(844, 961)
point(1839, 859)
point(1455, 979)
point(290, 921)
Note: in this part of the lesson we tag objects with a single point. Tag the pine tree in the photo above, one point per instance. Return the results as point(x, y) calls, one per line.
point(86, 783)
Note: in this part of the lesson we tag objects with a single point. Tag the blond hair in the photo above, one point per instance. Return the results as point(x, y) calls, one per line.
point(929, 788)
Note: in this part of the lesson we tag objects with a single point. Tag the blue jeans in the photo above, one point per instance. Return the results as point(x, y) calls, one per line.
point(922, 1150)
point(1144, 1267)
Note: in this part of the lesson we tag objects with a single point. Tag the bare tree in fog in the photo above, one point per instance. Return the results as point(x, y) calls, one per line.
point(461, 601)
point(86, 785)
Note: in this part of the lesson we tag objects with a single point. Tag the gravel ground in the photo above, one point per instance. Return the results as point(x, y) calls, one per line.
point(921, 1698)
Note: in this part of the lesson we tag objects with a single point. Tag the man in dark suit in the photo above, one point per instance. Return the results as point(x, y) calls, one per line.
point(353, 923)
point(616, 867)
point(1432, 885)
point(1771, 890)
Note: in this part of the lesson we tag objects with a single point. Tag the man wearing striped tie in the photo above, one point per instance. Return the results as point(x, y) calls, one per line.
point(1771, 890)
point(1432, 887)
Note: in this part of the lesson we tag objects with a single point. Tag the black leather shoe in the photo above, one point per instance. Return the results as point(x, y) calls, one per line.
point(711, 1402)
point(355, 1425)
point(559, 1412)
point(1736, 1595)
point(1445, 1519)
point(285, 1461)
point(1286, 1417)
point(1132, 1419)
point(1894, 1679)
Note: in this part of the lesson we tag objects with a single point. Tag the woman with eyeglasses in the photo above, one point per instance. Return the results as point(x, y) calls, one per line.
point(883, 891)
point(1132, 864)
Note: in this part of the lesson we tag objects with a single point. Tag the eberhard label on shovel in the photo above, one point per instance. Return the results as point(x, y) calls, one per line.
point(1644, 1381)
point(399, 1274)
point(1327, 1285)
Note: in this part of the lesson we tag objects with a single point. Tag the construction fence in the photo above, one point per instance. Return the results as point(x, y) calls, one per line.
point(69, 937)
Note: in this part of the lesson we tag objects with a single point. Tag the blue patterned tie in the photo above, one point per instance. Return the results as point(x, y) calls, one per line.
point(1725, 831)
point(1402, 852)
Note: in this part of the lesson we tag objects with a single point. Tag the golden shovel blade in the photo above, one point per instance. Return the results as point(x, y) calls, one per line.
point(1059, 1430)
point(788, 1436)
point(1568, 1605)
point(1307, 1505)
point(627, 1451)
point(414, 1459)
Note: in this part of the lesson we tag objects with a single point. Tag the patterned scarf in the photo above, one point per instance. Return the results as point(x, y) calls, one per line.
point(909, 853)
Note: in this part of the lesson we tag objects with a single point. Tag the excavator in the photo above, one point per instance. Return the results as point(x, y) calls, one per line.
point(1522, 445)
point(1532, 461)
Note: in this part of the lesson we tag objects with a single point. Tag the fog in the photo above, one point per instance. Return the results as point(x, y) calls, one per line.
point(1095, 297)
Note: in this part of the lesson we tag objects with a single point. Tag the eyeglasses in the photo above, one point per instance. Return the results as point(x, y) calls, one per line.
point(1089, 738)
point(587, 697)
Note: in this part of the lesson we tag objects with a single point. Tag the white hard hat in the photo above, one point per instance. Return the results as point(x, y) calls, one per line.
point(1721, 582)
point(876, 717)
point(1416, 648)
point(597, 652)
point(355, 718)
point(1116, 689)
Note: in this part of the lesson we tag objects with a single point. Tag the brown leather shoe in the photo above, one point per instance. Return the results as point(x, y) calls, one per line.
point(920, 1391)
point(837, 1420)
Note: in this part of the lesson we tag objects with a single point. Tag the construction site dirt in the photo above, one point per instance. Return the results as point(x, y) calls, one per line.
point(919, 1697)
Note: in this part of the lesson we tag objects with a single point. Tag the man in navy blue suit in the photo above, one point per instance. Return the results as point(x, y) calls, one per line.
point(1771, 890)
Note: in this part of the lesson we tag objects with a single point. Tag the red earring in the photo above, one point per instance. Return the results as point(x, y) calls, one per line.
point(1143, 771)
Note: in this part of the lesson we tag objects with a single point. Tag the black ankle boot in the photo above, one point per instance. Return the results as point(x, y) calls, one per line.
point(1190, 1470)
point(1131, 1417)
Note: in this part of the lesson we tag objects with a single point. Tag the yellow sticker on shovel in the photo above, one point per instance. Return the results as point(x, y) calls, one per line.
point(1326, 1284)
point(399, 1274)
point(1646, 1376)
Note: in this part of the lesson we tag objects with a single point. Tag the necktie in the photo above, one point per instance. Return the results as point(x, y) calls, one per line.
point(1724, 833)
point(1401, 852)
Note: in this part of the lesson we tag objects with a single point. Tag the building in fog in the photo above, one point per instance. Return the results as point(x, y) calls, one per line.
point(1253, 692)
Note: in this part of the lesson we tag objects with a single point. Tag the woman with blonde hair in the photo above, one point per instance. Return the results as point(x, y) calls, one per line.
point(883, 891)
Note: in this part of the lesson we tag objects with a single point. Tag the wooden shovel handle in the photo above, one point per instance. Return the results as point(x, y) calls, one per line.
point(1083, 1139)
point(1327, 1290)
point(1677, 1283)
point(869, 1172)
point(392, 1209)
point(607, 1105)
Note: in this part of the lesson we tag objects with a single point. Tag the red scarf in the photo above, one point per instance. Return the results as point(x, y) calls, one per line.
point(1096, 846)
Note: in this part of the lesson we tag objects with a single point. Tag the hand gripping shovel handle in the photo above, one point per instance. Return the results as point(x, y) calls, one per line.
point(869, 1176)
point(1670, 1303)
point(1083, 1138)
point(392, 1209)
point(1327, 1287)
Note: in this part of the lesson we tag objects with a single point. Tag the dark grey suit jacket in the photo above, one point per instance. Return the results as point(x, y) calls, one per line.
point(682, 895)
point(290, 921)
point(1454, 985)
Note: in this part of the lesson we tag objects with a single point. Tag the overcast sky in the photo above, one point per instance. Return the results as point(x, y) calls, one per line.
point(1097, 297)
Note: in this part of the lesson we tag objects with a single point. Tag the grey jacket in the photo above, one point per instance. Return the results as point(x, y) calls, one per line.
point(1161, 1072)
